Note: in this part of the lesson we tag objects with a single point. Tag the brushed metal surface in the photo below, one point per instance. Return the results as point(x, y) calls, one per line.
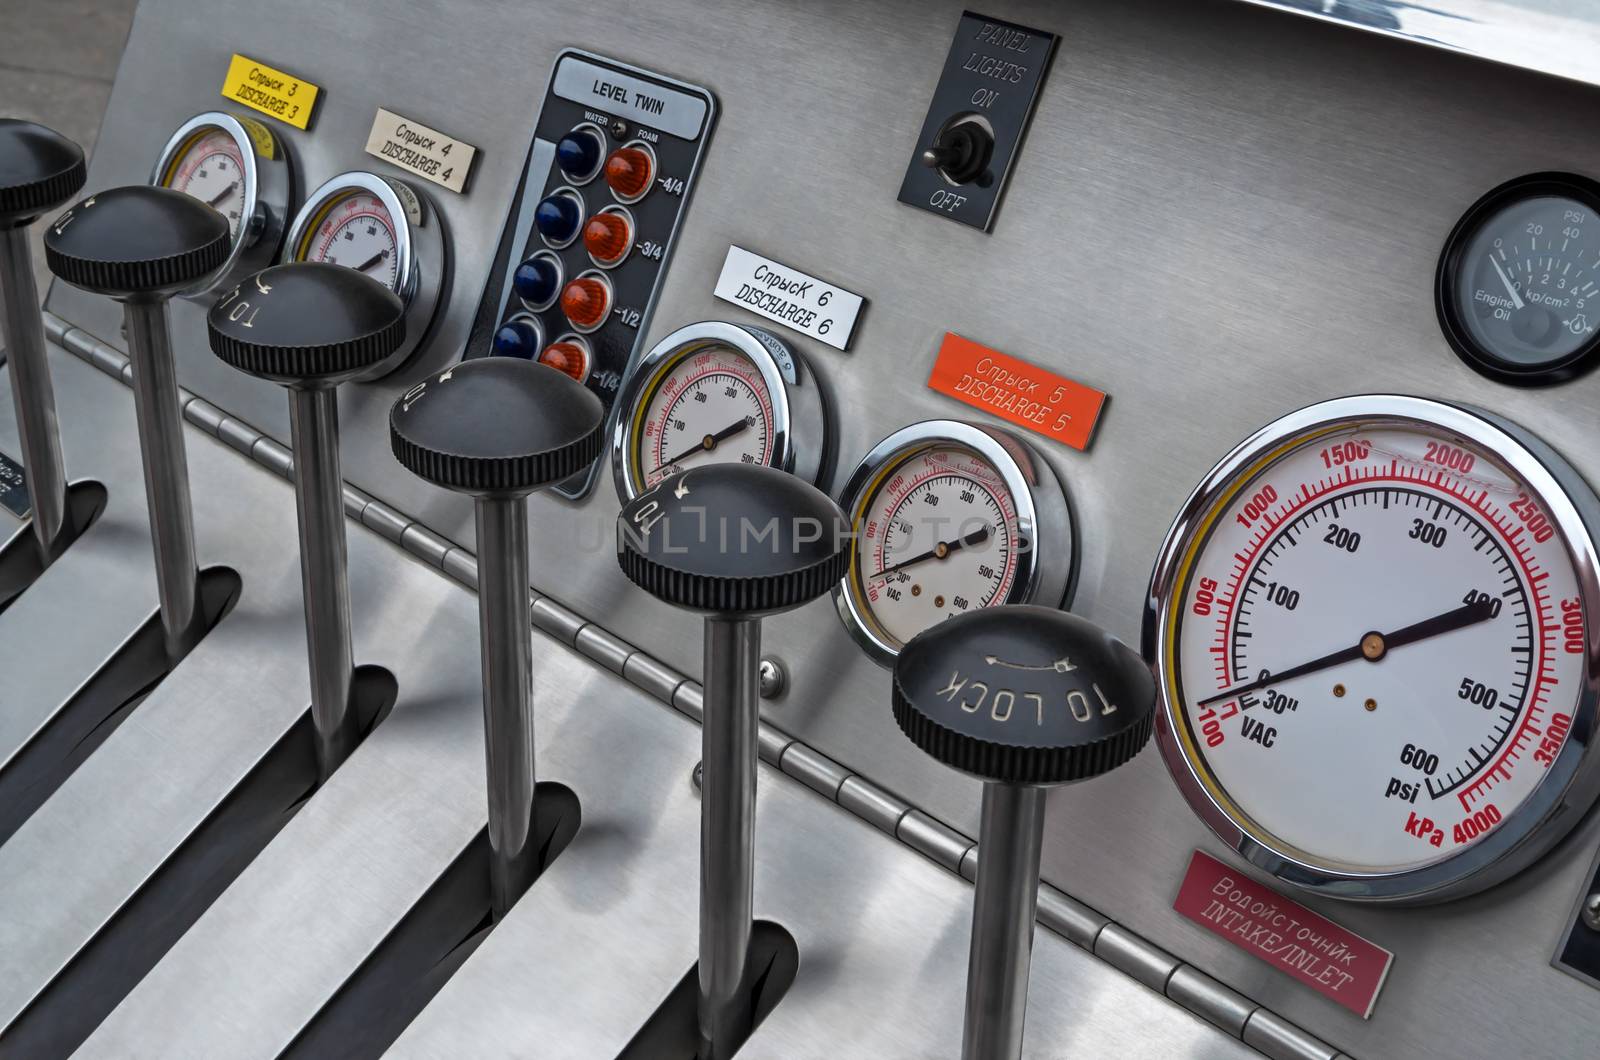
point(1220, 214)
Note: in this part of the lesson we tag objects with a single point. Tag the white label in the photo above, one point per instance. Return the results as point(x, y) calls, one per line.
point(814, 307)
point(415, 148)
point(640, 101)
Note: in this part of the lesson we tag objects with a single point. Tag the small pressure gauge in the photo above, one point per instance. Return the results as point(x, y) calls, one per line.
point(237, 167)
point(950, 517)
point(383, 228)
point(715, 392)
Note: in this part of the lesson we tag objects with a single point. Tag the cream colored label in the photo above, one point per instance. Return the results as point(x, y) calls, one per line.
point(415, 148)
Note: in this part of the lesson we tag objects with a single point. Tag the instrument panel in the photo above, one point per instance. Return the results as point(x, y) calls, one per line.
point(1228, 327)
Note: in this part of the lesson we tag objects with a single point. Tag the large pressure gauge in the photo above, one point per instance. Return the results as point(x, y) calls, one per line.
point(1373, 629)
point(950, 517)
point(237, 167)
point(383, 228)
point(715, 392)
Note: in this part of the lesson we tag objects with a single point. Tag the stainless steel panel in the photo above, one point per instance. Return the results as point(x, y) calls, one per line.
point(1220, 213)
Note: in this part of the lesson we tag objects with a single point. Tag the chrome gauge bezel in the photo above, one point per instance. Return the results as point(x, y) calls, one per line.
point(1572, 782)
point(799, 417)
point(1045, 569)
point(268, 181)
point(420, 263)
point(1447, 277)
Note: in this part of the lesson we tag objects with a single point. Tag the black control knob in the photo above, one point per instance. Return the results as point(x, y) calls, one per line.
point(39, 170)
point(961, 150)
point(311, 326)
point(497, 425)
point(140, 245)
point(733, 542)
point(499, 428)
point(1024, 695)
point(307, 324)
point(1021, 697)
point(137, 242)
point(734, 539)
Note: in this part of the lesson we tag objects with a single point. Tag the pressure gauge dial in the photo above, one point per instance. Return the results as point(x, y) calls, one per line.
point(381, 227)
point(1373, 630)
point(1518, 286)
point(950, 517)
point(715, 392)
point(238, 167)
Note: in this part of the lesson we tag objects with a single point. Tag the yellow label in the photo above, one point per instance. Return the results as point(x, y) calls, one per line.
point(272, 92)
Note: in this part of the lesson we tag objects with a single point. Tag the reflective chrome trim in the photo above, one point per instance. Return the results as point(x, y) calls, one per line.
point(1571, 784)
point(799, 418)
point(1559, 39)
point(268, 183)
point(1045, 569)
point(419, 248)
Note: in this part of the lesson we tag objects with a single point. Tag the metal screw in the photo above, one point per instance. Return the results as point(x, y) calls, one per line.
point(1591, 912)
point(619, 128)
point(696, 774)
point(774, 678)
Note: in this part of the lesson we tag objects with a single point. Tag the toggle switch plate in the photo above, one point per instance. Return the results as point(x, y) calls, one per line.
point(991, 78)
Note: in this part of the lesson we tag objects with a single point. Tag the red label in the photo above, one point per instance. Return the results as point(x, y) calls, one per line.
point(1334, 961)
point(1022, 393)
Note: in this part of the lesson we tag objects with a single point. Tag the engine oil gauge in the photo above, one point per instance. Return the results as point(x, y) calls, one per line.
point(385, 229)
point(237, 166)
point(714, 392)
point(950, 517)
point(1373, 632)
point(1518, 285)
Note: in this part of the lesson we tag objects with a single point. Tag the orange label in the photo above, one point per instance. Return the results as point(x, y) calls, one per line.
point(1016, 391)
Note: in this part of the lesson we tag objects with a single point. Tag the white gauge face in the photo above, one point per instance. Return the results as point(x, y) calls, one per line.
point(711, 406)
point(357, 232)
point(211, 168)
point(1378, 651)
point(936, 537)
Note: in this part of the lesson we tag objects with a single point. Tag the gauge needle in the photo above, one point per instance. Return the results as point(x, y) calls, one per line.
point(370, 262)
point(708, 443)
point(1516, 299)
point(1372, 647)
point(223, 194)
point(940, 551)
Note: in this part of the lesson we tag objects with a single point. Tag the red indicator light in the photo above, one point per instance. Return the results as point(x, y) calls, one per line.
point(607, 237)
point(629, 171)
point(586, 301)
point(568, 357)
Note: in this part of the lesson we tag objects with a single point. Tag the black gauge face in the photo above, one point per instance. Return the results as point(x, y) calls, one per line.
point(1520, 277)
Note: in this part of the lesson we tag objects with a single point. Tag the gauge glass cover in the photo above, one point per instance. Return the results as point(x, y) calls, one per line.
point(1519, 279)
point(1425, 586)
point(708, 406)
point(356, 230)
point(210, 167)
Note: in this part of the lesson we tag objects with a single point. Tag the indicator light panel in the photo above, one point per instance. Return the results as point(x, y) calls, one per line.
point(586, 243)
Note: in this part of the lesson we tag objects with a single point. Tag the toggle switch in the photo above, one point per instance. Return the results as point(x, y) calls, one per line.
point(140, 246)
point(39, 170)
point(578, 153)
point(558, 217)
point(685, 542)
point(629, 171)
point(519, 337)
point(608, 237)
point(1022, 698)
point(586, 301)
point(961, 150)
point(498, 429)
point(310, 326)
point(537, 281)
